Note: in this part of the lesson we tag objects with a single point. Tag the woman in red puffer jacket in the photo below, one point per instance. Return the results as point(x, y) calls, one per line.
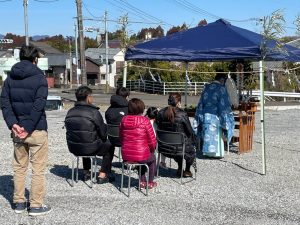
point(138, 140)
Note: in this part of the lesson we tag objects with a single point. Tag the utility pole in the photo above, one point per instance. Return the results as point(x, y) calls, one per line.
point(106, 53)
point(25, 4)
point(71, 63)
point(81, 42)
point(76, 56)
point(124, 22)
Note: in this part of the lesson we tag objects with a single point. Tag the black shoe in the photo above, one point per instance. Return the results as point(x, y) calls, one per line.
point(105, 180)
point(20, 207)
point(38, 211)
point(86, 177)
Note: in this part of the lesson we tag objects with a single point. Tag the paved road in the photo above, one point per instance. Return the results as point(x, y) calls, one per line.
point(151, 99)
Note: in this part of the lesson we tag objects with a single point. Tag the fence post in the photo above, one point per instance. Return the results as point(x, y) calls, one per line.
point(153, 87)
point(139, 85)
point(164, 88)
point(195, 88)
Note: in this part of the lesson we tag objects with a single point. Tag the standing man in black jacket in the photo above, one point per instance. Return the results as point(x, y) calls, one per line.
point(87, 134)
point(23, 101)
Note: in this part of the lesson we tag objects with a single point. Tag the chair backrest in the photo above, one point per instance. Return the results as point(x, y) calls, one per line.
point(170, 137)
point(113, 130)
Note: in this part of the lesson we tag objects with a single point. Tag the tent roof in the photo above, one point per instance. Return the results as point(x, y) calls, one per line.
point(216, 41)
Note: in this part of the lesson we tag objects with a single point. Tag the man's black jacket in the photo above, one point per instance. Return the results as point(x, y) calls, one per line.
point(86, 130)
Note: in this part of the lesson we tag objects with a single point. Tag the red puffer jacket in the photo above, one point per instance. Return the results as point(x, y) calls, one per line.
point(137, 138)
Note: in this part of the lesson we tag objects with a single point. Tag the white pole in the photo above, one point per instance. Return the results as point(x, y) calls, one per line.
point(125, 74)
point(76, 57)
point(106, 53)
point(262, 116)
point(25, 4)
point(186, 84)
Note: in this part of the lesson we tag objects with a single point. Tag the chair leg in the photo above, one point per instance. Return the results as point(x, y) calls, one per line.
point(147, 179)
point(157, 166)
point(119, 154)
point(181, 171)
point(140, 174)
point(92, 170)
point(129, 178)
point(122, 177)
point(95, 170)
point(77, 168)
point(72, 173)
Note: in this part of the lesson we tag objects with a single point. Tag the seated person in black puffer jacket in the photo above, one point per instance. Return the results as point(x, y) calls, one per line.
point(87, 134)
point(173, 118)
point(118, 108)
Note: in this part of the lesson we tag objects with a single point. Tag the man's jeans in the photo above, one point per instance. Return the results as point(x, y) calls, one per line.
point(35, 149)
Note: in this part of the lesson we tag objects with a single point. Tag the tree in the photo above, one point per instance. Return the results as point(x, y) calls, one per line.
point(177, 29)
point(155, 32)
point(272, 29)
point(202, 23)
point(18, 41)
point(297, 23)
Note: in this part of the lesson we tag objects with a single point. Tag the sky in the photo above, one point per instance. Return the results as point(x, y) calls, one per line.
point(53, 17)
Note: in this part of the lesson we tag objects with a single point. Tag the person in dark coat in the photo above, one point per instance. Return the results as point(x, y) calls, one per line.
point(173, 118)
point(23, 101)
point(118, 108)
point(87, 134)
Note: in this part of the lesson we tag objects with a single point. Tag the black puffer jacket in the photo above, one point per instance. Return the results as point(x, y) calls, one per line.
point(118, 108)
point(114, 114)
point(86, 130)
point(24, 97)
point(181, 124)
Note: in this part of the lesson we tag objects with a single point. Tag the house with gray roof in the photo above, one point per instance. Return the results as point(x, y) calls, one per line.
point(57, 63)
point(115, 64)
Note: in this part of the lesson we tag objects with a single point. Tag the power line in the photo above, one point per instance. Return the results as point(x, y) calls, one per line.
point(193, 8)
point(46, 1)
point(89, 12)
point(141, 13)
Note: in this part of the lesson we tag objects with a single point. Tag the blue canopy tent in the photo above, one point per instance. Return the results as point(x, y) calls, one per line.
point(217, 41)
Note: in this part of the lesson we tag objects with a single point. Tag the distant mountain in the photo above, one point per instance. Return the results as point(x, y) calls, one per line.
point(1, 36)
point(39, 37)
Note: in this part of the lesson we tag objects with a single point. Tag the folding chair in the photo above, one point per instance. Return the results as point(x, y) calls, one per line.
point(93, 168)
point(113, 132)
point(174, 140)
point(130, 167)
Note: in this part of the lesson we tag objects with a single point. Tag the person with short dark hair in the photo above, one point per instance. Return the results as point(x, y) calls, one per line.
point(118, 106)
point(138, 140)
point(87, 134)
point(23, 101)
point(117, 109)
point(123, 91)
point(173, 118)
point(214, 117)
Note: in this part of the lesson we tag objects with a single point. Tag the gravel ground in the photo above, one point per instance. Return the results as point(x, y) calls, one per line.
point(227, 191)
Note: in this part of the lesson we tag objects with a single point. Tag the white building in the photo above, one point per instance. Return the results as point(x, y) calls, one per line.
point(115, 63)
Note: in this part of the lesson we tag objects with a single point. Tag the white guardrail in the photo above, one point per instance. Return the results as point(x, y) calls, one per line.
point(284, 95)
point(195, 88)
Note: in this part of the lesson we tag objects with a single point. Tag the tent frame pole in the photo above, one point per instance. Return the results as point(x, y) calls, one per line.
point(186, 84)
point(262, 117)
